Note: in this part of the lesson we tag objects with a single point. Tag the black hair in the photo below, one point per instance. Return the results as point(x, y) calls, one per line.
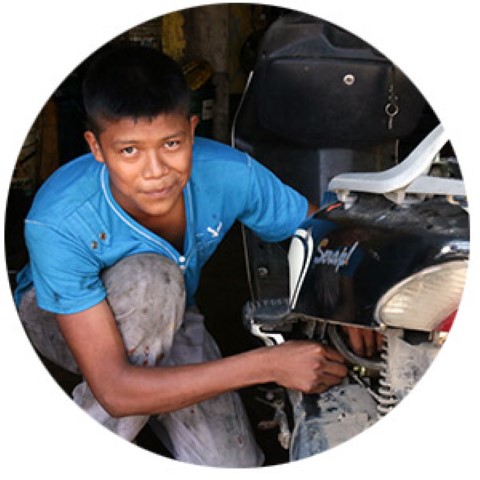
point(133, 81)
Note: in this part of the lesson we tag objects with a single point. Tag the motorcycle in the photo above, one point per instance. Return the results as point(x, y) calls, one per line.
point(388, 249)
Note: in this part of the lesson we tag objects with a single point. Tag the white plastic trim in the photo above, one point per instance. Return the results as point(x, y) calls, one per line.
point(425, 184)
point(397, 177)
point(299, 256)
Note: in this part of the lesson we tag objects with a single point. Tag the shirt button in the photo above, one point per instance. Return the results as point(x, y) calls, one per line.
point(181, 259)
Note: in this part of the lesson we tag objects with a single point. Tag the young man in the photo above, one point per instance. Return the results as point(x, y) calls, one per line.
point(117, 239)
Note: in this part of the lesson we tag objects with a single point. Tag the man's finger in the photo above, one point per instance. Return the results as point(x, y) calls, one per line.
point(333, 355)
point(334, 369)
point(355, 339)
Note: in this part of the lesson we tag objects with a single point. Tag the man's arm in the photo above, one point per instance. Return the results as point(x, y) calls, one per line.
point(311, 209)
point(124, 389)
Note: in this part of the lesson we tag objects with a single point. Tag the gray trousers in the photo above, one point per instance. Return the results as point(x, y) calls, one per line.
point(146, 294)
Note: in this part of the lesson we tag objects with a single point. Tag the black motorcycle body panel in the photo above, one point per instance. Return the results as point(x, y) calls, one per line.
point(363, 251)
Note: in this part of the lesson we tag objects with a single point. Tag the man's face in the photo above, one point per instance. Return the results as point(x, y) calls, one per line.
point(149, 162)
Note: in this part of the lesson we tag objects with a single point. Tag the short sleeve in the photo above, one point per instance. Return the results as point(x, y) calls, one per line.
point(65, 274)
point(273, 210)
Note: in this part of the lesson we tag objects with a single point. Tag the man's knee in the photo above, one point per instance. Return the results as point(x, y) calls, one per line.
point(145, 278)
point(42, 330)
point(146, 293)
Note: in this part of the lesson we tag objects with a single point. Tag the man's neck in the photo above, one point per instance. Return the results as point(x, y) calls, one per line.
point(171, 227)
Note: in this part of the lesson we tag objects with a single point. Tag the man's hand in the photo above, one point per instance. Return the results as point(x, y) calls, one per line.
point(306, 366)
point(364, 342)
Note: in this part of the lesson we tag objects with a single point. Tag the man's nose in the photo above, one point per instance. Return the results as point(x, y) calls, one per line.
point(155, 165)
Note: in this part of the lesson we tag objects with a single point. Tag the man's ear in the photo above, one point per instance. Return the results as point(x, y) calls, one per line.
point(193, 124)
point(94, 145)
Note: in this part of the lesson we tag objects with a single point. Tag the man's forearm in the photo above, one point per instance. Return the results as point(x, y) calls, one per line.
point(136, 390)
point(300, 365)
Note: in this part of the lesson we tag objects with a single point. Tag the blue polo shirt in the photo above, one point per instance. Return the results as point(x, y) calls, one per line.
point(75, 228)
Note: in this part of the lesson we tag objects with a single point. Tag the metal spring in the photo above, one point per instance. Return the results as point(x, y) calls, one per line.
point(387, 398)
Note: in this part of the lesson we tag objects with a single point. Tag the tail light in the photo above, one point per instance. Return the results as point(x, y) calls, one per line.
point(424, 300)
point(446, 325)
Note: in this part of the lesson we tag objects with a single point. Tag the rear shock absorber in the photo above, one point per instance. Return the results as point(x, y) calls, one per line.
point(387, 399)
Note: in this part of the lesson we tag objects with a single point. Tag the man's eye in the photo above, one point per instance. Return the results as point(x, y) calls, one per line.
point(172, 144)
point(128, 151)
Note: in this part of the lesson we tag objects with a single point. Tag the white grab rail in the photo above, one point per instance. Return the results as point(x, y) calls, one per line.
point(409, 176)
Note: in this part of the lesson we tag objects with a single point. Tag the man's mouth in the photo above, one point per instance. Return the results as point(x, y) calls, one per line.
point(159, 193)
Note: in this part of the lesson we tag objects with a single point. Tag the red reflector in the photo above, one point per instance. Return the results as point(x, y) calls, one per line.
point(446, 325)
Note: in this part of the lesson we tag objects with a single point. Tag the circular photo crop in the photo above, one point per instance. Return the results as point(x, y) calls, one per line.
point(237, 235)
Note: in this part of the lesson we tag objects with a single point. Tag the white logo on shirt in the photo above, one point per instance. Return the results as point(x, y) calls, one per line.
point(215, 231)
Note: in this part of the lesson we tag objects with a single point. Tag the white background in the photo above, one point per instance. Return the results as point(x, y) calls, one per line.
point(432, 433)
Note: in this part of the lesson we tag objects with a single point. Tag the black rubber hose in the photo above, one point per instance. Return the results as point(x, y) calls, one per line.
point(342, 348)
